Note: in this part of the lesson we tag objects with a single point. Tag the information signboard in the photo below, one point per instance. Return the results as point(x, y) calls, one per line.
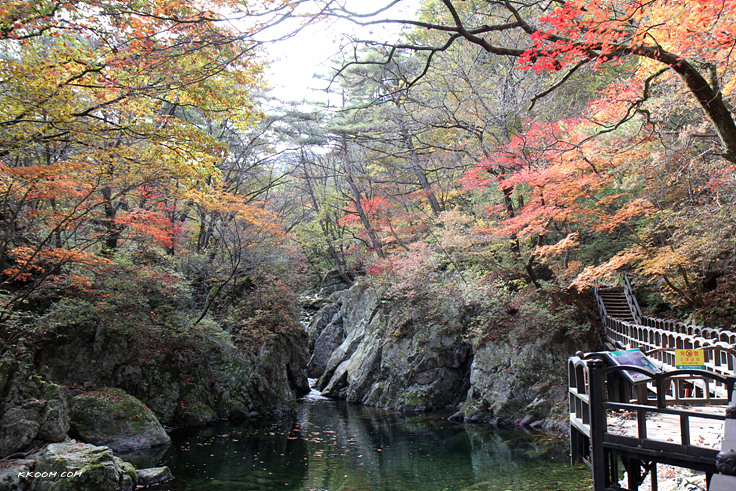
point(690, 358)
point(632, 357)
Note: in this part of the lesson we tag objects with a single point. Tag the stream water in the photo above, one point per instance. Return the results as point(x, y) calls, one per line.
point(330, 445)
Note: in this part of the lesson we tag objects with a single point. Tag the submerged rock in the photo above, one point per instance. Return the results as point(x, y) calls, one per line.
point(154, 475)
point(113, 418)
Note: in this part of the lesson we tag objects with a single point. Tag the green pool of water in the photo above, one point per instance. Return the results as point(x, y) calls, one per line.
point(329, 445)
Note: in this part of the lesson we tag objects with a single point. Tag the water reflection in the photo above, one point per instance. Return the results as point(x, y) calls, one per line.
point(335, 446)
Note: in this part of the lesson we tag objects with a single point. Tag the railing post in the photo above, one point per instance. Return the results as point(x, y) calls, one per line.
point(725, 480)
point(597, 424)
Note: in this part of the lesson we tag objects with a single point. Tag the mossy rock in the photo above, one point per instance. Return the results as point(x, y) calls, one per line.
point(14, 474)
point(113, 418)
point(75, 466)
point(154, 476)
point(197, 414)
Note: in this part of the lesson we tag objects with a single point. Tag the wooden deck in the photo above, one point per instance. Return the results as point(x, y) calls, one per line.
point(632, 427)
point(705, 433)
point(673, 417)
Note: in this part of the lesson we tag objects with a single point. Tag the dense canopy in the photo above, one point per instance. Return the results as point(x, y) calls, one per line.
point(518, 147)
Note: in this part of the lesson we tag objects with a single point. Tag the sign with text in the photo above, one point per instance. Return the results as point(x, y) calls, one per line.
point(632, 357)
point(689, 358)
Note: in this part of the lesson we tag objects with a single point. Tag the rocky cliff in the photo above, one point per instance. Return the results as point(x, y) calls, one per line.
point(185, 380)
point(389, 354)
point(32, 410)
point(402, 353)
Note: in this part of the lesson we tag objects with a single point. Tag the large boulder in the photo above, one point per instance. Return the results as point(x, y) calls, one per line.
point(76, 466)
point(153, 476)
point(518, 383)
point(113, 418)
point(33, 411)
point(15, 474)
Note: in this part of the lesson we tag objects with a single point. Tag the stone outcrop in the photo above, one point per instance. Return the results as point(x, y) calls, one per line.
point(72, 465)
point(392, 358)
point(33, 411)
point(397, 353)
point(112, 418)
point(519, 383)
point(14, 475)
point(185, 380)
point(325, 333)
point(153, 476)
point(76, 466)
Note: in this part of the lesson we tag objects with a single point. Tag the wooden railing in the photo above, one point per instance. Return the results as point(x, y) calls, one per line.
point(591, 400)
point(598, 301)
point(658, 338)
point(631, 300)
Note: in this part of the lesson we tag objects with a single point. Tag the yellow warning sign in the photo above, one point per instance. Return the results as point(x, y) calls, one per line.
point(689, 358)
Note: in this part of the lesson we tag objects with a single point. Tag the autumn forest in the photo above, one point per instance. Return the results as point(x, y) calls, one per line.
point(508, 153)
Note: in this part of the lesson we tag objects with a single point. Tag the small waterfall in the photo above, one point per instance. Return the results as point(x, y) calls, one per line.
point(314, 394)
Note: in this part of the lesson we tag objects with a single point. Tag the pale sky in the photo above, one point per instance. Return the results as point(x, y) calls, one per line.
point(295, 61)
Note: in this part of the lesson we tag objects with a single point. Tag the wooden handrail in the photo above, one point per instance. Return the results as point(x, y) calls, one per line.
point(631, 299)
point(599, 301)
point(591, 440)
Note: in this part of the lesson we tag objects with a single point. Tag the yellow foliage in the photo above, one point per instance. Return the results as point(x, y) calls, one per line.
point(609, 268)
point(571, 241)
point(455, 232)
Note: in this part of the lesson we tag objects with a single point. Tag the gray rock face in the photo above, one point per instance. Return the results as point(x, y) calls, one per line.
point(405, 354)
point(185, 381)
point(325, 333)
point(117, 420)
point(33, 411)
point(14, 476)
point(393, 358)
point(517, 383)
point(78, 466)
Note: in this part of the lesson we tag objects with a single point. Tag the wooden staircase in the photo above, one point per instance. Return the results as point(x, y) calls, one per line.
point(616, 305)
point(625, 326)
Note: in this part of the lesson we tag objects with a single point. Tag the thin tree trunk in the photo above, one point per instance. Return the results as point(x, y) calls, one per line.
point(419, 171)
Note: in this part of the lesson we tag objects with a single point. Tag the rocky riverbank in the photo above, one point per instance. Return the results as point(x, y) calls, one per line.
point(72, 465)
point(74, 395)
point(37, 417)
